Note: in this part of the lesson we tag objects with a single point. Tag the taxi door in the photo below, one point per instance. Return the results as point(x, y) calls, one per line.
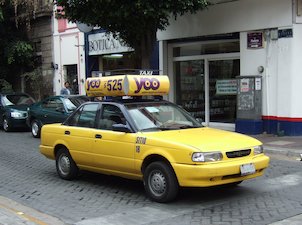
point(79, 134)
point(114, 151)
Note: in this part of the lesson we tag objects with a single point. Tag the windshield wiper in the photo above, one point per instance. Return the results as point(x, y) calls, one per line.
point(188, 126)
point(150, 129)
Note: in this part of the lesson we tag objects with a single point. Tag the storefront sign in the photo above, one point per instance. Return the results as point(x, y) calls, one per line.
point(258, 84)
point(226, 87)
point(255, 40)
point(102, 43)
point(244, 85)
point(285, 33)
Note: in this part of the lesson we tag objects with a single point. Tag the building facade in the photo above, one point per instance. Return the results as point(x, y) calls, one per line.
point(68, 54)
point(105, 52)
point(40, 35)
point(219, 58)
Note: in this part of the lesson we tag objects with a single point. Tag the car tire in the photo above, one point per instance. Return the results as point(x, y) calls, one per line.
point(6, 125)
point(160, 182)
point(35, 128)
point(66, 167)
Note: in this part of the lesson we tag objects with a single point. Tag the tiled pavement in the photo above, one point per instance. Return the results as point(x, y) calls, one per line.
point(14, 213)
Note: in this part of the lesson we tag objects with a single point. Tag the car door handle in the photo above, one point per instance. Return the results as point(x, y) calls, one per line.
point(67, 132)
point(98, 136)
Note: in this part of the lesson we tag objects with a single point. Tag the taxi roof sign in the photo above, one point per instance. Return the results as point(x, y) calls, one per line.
point(127, 85)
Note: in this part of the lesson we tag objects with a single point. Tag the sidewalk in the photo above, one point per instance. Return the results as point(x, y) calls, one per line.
point(12, 212)
point(285, 145)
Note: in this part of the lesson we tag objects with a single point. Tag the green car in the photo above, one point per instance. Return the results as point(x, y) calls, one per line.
point(13, 110)
point(54, 109)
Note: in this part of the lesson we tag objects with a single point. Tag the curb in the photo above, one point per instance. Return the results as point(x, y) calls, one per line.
point(295, 220)
point(12, 212)
point(282, 151)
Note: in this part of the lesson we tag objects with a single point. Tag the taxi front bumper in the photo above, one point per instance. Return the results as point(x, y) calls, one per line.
point(218, 173)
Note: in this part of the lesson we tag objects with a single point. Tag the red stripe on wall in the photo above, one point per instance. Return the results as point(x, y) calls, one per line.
point(288, 119)
point(62, 24)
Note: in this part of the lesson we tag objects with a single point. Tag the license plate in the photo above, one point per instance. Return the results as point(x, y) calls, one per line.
point(247, 169)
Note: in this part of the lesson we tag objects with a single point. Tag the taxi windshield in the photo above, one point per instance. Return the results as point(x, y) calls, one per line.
point(160, 116)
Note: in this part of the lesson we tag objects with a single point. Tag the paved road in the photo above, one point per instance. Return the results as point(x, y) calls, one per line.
point(30, 179)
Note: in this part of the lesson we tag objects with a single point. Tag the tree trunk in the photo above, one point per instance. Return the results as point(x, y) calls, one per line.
point(146, 48)
point(145, 61)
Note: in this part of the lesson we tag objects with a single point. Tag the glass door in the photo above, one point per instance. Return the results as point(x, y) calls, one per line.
point(190, 86)
point(223, 90)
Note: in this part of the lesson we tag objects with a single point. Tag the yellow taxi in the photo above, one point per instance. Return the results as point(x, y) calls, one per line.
point(152, 140)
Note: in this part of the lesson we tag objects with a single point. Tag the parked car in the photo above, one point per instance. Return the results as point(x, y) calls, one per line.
point(153, 140)
point(13, 110)
point(53, 109)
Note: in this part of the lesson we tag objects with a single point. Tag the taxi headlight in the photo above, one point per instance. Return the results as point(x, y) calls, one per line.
point(16, 114)
point(258, 150)
point(206, 156)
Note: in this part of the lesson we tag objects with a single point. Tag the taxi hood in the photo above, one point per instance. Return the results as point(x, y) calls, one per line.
point(203, 139)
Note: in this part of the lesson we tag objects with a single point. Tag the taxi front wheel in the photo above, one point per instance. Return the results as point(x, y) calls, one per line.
point(66, 167)
point(160, 182)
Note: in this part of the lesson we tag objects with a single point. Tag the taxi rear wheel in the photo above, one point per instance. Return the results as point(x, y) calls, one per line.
point(160, 182)
point(66, 167)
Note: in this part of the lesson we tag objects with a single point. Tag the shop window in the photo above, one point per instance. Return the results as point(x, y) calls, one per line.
point(71, 75)
point(190, 90)
point(119, 61)
point(223, 90)
point(207, 48)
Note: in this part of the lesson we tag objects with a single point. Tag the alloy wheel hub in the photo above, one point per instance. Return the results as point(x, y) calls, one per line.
point(64, 165)
point(157, 183)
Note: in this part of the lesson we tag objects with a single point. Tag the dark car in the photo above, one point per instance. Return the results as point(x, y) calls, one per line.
point(13, 110)
point(54, 109)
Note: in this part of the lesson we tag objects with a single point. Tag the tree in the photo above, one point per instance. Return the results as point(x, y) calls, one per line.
point(17, 58)
point(24, 11)
point(16, 52)
point(135, 22)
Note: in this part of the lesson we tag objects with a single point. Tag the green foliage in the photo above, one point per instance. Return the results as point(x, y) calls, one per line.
point(19, 52)
point(135, 21)
point(34, 75)
point(16, 53)
point(36, 81)
point(5, 87)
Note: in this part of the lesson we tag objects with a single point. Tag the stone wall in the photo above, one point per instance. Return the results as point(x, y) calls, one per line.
point(40, 35)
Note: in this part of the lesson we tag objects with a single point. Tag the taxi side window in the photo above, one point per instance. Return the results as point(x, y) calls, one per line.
point(110, 115)
point(85, 117)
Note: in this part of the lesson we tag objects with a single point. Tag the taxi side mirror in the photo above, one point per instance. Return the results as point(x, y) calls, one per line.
point(120, 128)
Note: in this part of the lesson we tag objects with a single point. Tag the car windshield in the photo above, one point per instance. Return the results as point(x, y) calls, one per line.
point(74, 102)
point(160, 116)
point(18, 99)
